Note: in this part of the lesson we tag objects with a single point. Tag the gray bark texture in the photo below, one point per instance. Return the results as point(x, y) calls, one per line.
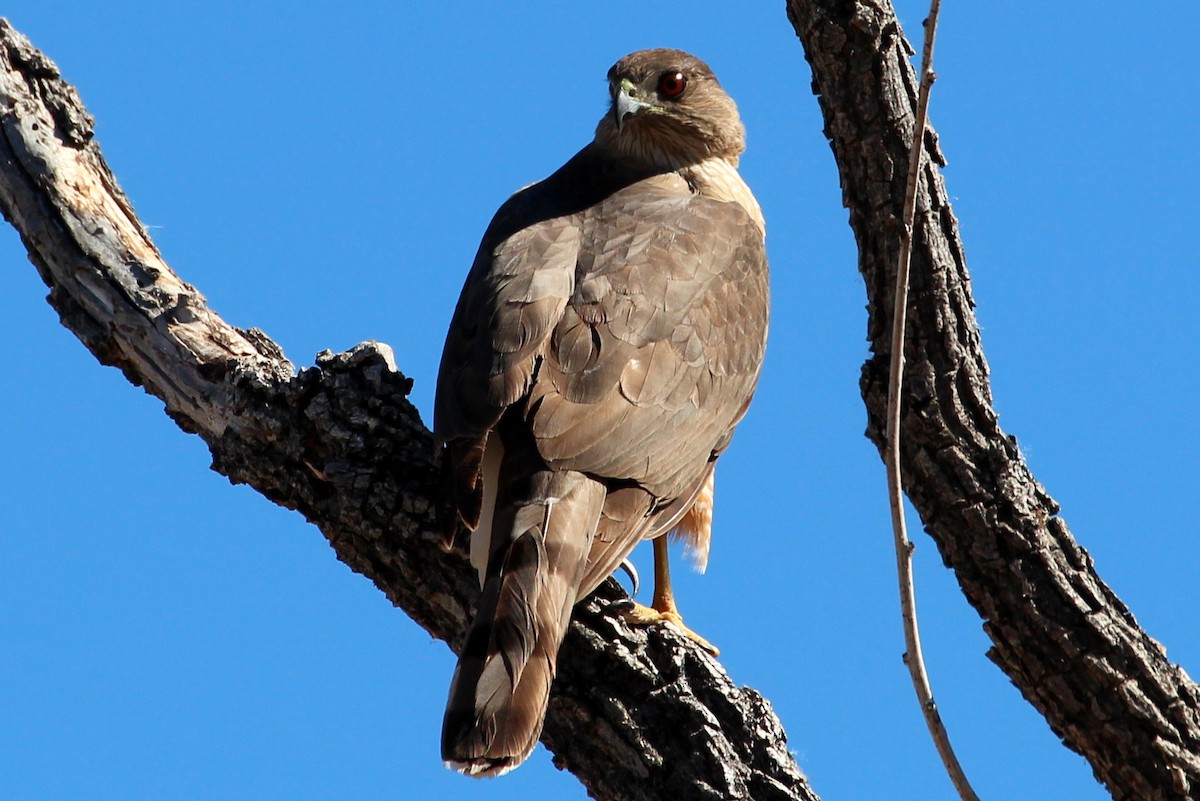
point(1060, 634)
point(634, 714)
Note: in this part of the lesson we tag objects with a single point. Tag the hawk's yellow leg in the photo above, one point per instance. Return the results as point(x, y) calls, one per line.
point(662, 608)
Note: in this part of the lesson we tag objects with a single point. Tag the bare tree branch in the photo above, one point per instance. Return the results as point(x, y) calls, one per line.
point(635, 715)
point(914, 655)
point(1062, 636)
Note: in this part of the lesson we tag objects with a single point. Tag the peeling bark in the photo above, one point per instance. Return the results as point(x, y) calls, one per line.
point(635, 714)
point(1060, 634)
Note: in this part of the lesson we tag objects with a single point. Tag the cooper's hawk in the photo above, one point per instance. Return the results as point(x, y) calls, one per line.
point(608, 339)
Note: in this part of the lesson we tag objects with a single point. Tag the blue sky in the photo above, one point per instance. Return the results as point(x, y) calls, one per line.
point(325, 173)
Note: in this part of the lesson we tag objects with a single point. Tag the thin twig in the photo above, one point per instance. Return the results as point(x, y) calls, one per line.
point(913, 656)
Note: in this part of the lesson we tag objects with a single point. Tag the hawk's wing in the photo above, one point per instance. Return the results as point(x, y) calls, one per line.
point(513, 297)
point(632, 331)
point(658, 350)
point(656, 356)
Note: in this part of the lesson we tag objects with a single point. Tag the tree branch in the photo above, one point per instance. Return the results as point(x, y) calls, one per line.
point(914, 655)
point(635, 715)
point(1059, 633)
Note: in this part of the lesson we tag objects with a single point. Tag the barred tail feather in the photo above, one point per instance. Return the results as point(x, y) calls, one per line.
point(542, 532)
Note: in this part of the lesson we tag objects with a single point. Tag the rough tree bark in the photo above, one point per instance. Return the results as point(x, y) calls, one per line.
point(635, 715)
point(1060, 634)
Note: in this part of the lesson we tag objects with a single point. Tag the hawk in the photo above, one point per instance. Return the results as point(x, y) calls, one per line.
point(608, 338)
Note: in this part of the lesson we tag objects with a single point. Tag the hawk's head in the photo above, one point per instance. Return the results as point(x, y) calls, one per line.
point(668, 108)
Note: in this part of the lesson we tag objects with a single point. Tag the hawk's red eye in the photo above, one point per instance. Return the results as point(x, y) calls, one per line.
point(672, 84)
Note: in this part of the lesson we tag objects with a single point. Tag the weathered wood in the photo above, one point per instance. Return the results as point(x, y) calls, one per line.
point(1062, 636)
point(636, 715)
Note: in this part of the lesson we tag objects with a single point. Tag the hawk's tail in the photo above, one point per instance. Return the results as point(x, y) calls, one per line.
point(541, 535)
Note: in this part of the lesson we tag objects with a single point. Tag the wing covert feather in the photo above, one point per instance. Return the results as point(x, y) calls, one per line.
point(512, 299)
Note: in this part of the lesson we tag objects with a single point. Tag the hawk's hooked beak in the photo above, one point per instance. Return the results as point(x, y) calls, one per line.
point(625, 103)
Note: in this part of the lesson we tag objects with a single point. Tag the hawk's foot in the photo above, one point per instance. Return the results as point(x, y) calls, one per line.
point(638, 615)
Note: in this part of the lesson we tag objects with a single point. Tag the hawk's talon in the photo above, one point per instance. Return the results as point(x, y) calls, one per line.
point(631, 571)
